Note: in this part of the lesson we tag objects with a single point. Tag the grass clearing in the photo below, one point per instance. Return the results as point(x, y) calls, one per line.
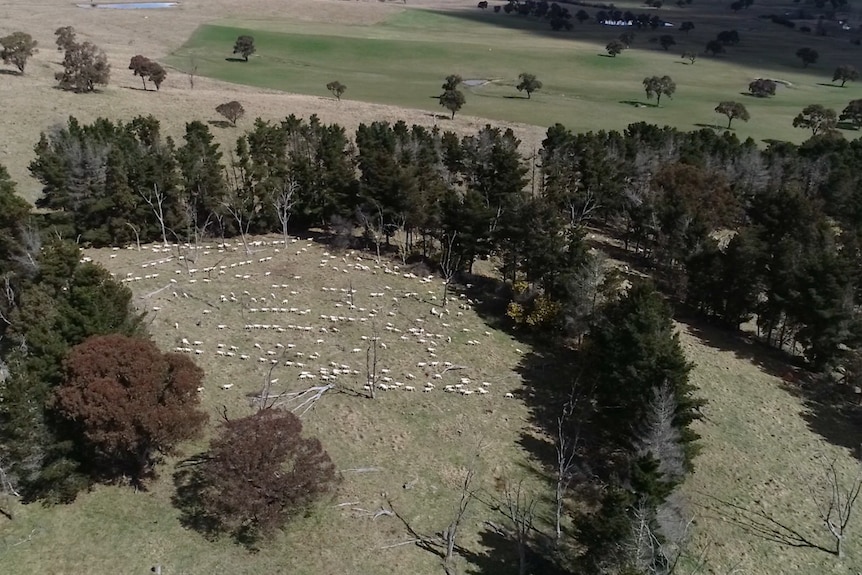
point(403, 59)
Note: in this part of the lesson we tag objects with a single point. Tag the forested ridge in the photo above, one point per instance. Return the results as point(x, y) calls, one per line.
point(738, 233)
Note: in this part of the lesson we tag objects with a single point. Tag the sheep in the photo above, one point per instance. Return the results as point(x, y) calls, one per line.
point(509, 395)
point(227, 386)
point(409, 388)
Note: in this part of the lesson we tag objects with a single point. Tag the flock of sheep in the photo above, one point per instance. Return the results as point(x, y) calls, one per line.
point(272, 329)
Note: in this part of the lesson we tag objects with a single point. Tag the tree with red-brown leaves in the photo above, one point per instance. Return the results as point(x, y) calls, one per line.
point(258, 474)
point(129, 403)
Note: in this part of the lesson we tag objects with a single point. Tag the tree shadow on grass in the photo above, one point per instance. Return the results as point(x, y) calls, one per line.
point(638, 104)
point(500, 557)
point(232, 59)
point(5, 72)
point(830, 85)
point(187, 498)
point(712, 126)
point(831, 411)
point(220, 124)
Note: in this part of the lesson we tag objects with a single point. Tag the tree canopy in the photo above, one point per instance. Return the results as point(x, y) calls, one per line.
point(452, 100)
point(845, 73)
point(615, 47)
point(337, 89)
point(807, 55)
point(85, 66)
point(148, 69)
point(732, 110)
point(244, 46)
point(259, 473)
point(762, 88)
point(16, 49)
point(817, 118)
point(232, 111)
point(528, 83)
point(657, 87)
point(128, 402)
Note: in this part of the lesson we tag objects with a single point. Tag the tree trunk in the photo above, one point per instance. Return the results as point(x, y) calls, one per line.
point(729, 120)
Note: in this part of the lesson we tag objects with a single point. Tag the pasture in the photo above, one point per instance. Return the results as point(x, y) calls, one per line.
point(403, 59)
point(290, 310)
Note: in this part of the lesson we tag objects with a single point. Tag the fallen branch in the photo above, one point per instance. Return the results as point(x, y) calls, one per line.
point(408, 542)
point(299, 402)
point(362, 469)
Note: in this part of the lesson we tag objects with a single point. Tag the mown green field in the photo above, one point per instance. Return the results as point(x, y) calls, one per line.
point(403, 60)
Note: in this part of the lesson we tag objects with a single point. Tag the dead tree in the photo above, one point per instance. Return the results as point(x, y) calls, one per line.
point(137, 235)
point(835, 503)
point(156, 201)
point(283, 200)
point(375, 231)
point(567, 451)
point(520, 511)
point(449, 262)
point(450, 534)
point(372, 375)
point(241, 204)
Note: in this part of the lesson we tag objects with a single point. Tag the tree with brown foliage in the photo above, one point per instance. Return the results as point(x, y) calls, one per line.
point(129, 402)
point(232, 110)
point(260, 472)
point(84, 67)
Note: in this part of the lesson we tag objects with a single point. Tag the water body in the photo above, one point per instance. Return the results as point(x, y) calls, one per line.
point(131, 5)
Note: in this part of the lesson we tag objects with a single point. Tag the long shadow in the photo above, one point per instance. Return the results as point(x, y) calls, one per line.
point(711, 126)
point(224, 124)
point(824, 84)
point(232, 59)
point(638, 104)
point(501, 557)
point(831, 411)
point(5, 72)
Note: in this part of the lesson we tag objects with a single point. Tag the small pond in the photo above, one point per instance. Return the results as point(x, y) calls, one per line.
point(130, 5)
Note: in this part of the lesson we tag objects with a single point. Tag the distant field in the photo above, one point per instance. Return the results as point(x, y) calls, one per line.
point(403, 60)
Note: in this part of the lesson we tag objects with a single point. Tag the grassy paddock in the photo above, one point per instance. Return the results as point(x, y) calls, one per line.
point(402, 61)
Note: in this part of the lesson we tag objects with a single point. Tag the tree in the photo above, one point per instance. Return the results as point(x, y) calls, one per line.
point(528, 83)
point(728, 37)
point(452, 82)
point(714, 47)
point(244, 46)
point(232, 111)
point(762, 88)
point(260, 472)
point(140, 66)
point(732, 110)
point(845, 73)
point(658, 87)
point(337, 89)
point(16, 49)
point(157, 74)
point(615, 47)
point(582, 16)
point(817, 118)
point(452, 100)
point(627, 38)
point(835, 503)
point(807, 55)
point(852, 113)
point(85, 66)
point(128, 402)
point(690, 56)
point(65, 37)
point(686, 27)
point(666, 41)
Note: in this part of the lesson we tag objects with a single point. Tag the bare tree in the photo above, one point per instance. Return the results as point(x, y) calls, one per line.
point(283, 200)
point(241, 203)
point(449, 262)
point(567, 451)
point(450, 534)
point(374, 230)
point(156, 201)
point(660, 438)
point(835, 503)
point(372, 376)
point(520, 511)
point(193, 70)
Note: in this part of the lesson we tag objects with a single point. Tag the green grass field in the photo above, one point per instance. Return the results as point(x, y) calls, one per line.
point(403, 60)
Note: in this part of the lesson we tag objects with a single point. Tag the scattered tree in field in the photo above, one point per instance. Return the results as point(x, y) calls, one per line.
point(658, 87)
point(615, 47)
point(260, 472)
point(66, 37)
point(452, 100)
point(146, 68)
point(244, 46)
point(16, 49)
point(728, 37)
point(852, 114)
point(845, 73)
point(582, 16)
point(666, 41)
point(732, 110)
point(817, 118)
point(690, 56)
point(452, 82)
point(129, 402)
point(686, 27)
point(762, 88)
point(85, 66)
point(807, 55)
point(528, 83)
point(337, 89)
point(232, 111)
point(714, 47)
